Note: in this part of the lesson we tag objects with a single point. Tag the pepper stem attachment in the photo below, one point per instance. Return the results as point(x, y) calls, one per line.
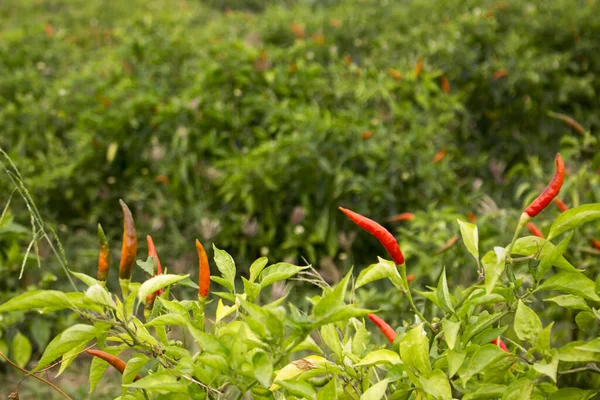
point(124, 283)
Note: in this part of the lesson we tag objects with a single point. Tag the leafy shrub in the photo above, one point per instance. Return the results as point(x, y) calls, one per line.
point(449, 341)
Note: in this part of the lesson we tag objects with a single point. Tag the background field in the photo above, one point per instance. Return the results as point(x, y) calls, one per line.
point(247, 123)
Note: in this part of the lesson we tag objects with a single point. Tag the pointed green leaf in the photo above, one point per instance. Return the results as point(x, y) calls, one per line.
point(376, 392)
point(65, 341)
point(226, 266)
point(383, 269)
point(519, 390)
point(414, 350)
point(158, 282)
point(527, 324)
point(470, 237)
point(98, 294)
point(573, 283)
point(382, 356)
point(451, 330)
point(443, 293)
point(278, 272)
point(298, 388)
point(548, 369)
point(257, 267)
point(573, 218)
point(493, 265)
point(570, 301)
point(262, 368)
point(21, 349)
point(436, 384)
point(329, 391)
point(36, 299)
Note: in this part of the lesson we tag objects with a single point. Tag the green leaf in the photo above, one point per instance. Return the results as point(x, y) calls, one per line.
point(162, 381)
point(455, 361)
point(65, 341)
point(376, 392)
point(585, 321)
point(451, 330)
point(573, 283)
point(88, 280)
point(278, 272)
point(36, 299)
point(262, 368)
point(256, 268)
point(573, 218)
point(133, 367)
point(169, 319)
point(414, 350)
point(382, 356)
point(208, 342)
point(158, 282)
point(3, 350)
point(330, 337)
point(527, 324)
point(493, 265)
point(483, 357)
point(436, 384)
point(531, 245)
point(329, 391)
point(298, 388)
point(593, 346)
point(443, 293)
point(483, 322)
point(252, 289)
point(21, 349)
point(69, 357)
point(223, 310)
point(572, 394)
point(332, 299)
point(542, 344)
point(226, 266)
point(573, 352)
point(556, 254)
point(470, 237)
point(519, 390)
point(150, 266)
point(570, 301)
point(548, 369)
point(98, 294)
point(486, 391)
point(383, 269)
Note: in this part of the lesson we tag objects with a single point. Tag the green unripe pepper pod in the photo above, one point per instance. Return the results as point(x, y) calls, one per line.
point(128, 250)
point(103, 257)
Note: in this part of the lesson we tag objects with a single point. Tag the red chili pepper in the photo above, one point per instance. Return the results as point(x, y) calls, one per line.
point(410, 278)
point(445, 84)
point(129, 249)
point(103, 257)
point(152, 296)
point(204, 272)
point(535, 231)
point(379, 232)
point(498, 342)
point(471, 217)
point(561, 204)
point(448, 244)
point(595, 243)
point(387, 330)
point(550, 192)
point(405, 216)
point(115, 361)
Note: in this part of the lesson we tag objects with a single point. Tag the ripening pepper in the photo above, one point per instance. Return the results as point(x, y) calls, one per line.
point(103, 257)
point(115, 361)
point(498, 342)
point(128, 250)
point(203, 272)
point(157, 271)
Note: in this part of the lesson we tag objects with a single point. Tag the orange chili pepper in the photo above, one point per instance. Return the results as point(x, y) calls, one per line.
point(445, 84)
point(129, 249)
point(471, 217)
point(115, 361)
point(152, 296)
point(595, 243)
point(379, 232)
point(204, 272)
point(439, 156)
point(103, 257)
point(418, 67)
point(394, 74)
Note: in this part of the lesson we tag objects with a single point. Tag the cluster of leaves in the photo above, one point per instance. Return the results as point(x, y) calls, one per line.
point(322, 350)
point(248, 100)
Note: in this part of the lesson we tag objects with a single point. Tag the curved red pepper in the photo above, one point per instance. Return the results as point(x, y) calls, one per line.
point(379, 232)
point(550, 192)
point(560, 204)
point(498, 342)
point(387, 330)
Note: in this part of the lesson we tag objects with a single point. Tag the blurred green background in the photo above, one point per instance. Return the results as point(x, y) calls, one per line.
point(248, 122)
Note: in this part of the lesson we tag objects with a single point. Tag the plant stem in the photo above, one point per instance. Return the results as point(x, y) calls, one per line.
point(66, 396)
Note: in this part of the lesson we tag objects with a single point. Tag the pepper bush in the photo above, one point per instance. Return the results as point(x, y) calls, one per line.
point(484, 339)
